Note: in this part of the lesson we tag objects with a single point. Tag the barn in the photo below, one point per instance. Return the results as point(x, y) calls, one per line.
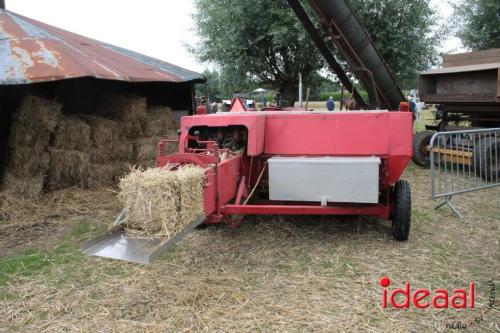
point(78, 112)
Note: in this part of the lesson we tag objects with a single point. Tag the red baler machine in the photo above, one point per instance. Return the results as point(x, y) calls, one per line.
point(297, 162)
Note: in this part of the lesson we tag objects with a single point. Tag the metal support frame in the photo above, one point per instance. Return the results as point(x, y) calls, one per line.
point(325, 51)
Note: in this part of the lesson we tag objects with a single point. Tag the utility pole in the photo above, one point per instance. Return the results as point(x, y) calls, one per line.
point(300, 89)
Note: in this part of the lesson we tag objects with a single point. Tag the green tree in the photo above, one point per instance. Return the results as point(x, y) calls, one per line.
point(260, 40)
point(212, 87)
point(405, 33)
point(479, 23)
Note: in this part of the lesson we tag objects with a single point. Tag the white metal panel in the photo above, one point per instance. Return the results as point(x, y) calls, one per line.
point(324, 179)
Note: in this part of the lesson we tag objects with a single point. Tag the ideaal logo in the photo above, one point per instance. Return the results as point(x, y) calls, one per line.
point(423, 298)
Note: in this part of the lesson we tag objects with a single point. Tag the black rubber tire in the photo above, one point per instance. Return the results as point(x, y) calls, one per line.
point(486, 160)
point(420, 142)
point(401, 211)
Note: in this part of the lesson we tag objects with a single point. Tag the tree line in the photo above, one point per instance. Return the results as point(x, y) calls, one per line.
point(261, 43)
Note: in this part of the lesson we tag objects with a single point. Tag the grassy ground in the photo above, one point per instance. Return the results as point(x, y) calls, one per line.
point(272, 274)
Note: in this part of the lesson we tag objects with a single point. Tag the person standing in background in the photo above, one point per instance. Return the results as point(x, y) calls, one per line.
point(330, 104)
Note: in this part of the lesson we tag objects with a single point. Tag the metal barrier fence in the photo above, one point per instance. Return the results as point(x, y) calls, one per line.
point(463, 162)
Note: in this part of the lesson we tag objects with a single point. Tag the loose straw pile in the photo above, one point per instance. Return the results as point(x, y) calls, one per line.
point(161, 202)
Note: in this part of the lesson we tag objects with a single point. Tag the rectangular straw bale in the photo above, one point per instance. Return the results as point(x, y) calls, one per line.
point(23, 135)
point(107, 174)
point(68, 168)
point(191, 182)
point(153, 199)
point(146, 151)
point(27, 162)
point(117, 152)
point(72, 133)
point(27, 187)
point(158, 121)
point(38, 112)
point(103, 131)
point(129, 109)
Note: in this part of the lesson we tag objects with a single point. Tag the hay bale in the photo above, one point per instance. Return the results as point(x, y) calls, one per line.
point(130, 109)
point(146, 150)
point(27, 187)
point(154, 199)
point(23, 135)
point(72, 133)
point(68, 168)
point(191, 182)
point(158, 121)
point(107, 174)
point(118, 152)
point(28, 162)
point(38, 113)
point(103, 131)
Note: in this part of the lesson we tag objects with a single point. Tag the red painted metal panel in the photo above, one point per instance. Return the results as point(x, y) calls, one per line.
point(340, 133)
point(228, 173)
point(375, 210)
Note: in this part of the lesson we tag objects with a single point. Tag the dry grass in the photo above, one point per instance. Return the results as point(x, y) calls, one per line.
point(21, 213)
point(272, 274)
point(160, 201)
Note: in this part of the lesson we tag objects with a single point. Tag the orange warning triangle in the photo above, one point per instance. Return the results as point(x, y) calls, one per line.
point(237, 105)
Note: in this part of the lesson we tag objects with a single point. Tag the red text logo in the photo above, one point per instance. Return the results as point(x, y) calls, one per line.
point(422, 298)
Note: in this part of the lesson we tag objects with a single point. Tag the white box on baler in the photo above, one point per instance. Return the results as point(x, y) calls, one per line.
point(324, 179)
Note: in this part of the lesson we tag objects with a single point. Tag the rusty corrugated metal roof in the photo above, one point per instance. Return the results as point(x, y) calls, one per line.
point(31, 51)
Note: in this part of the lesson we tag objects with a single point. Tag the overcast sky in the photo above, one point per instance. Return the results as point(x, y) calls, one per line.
point(158, 28)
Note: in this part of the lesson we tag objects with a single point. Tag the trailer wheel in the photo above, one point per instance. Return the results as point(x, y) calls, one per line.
point(401, 211)
point(421, 155)
point(486, 161)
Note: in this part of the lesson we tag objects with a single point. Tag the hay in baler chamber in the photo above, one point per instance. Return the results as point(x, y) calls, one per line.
point(161, 202)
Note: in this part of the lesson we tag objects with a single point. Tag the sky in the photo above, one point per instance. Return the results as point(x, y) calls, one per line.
point(158, 28)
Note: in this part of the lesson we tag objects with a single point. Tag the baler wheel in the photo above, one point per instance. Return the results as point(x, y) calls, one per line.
point(401, 211)
point(421, 141)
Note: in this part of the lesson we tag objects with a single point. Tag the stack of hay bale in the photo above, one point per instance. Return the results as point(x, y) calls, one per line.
point(33, 125)
point(53, 149)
